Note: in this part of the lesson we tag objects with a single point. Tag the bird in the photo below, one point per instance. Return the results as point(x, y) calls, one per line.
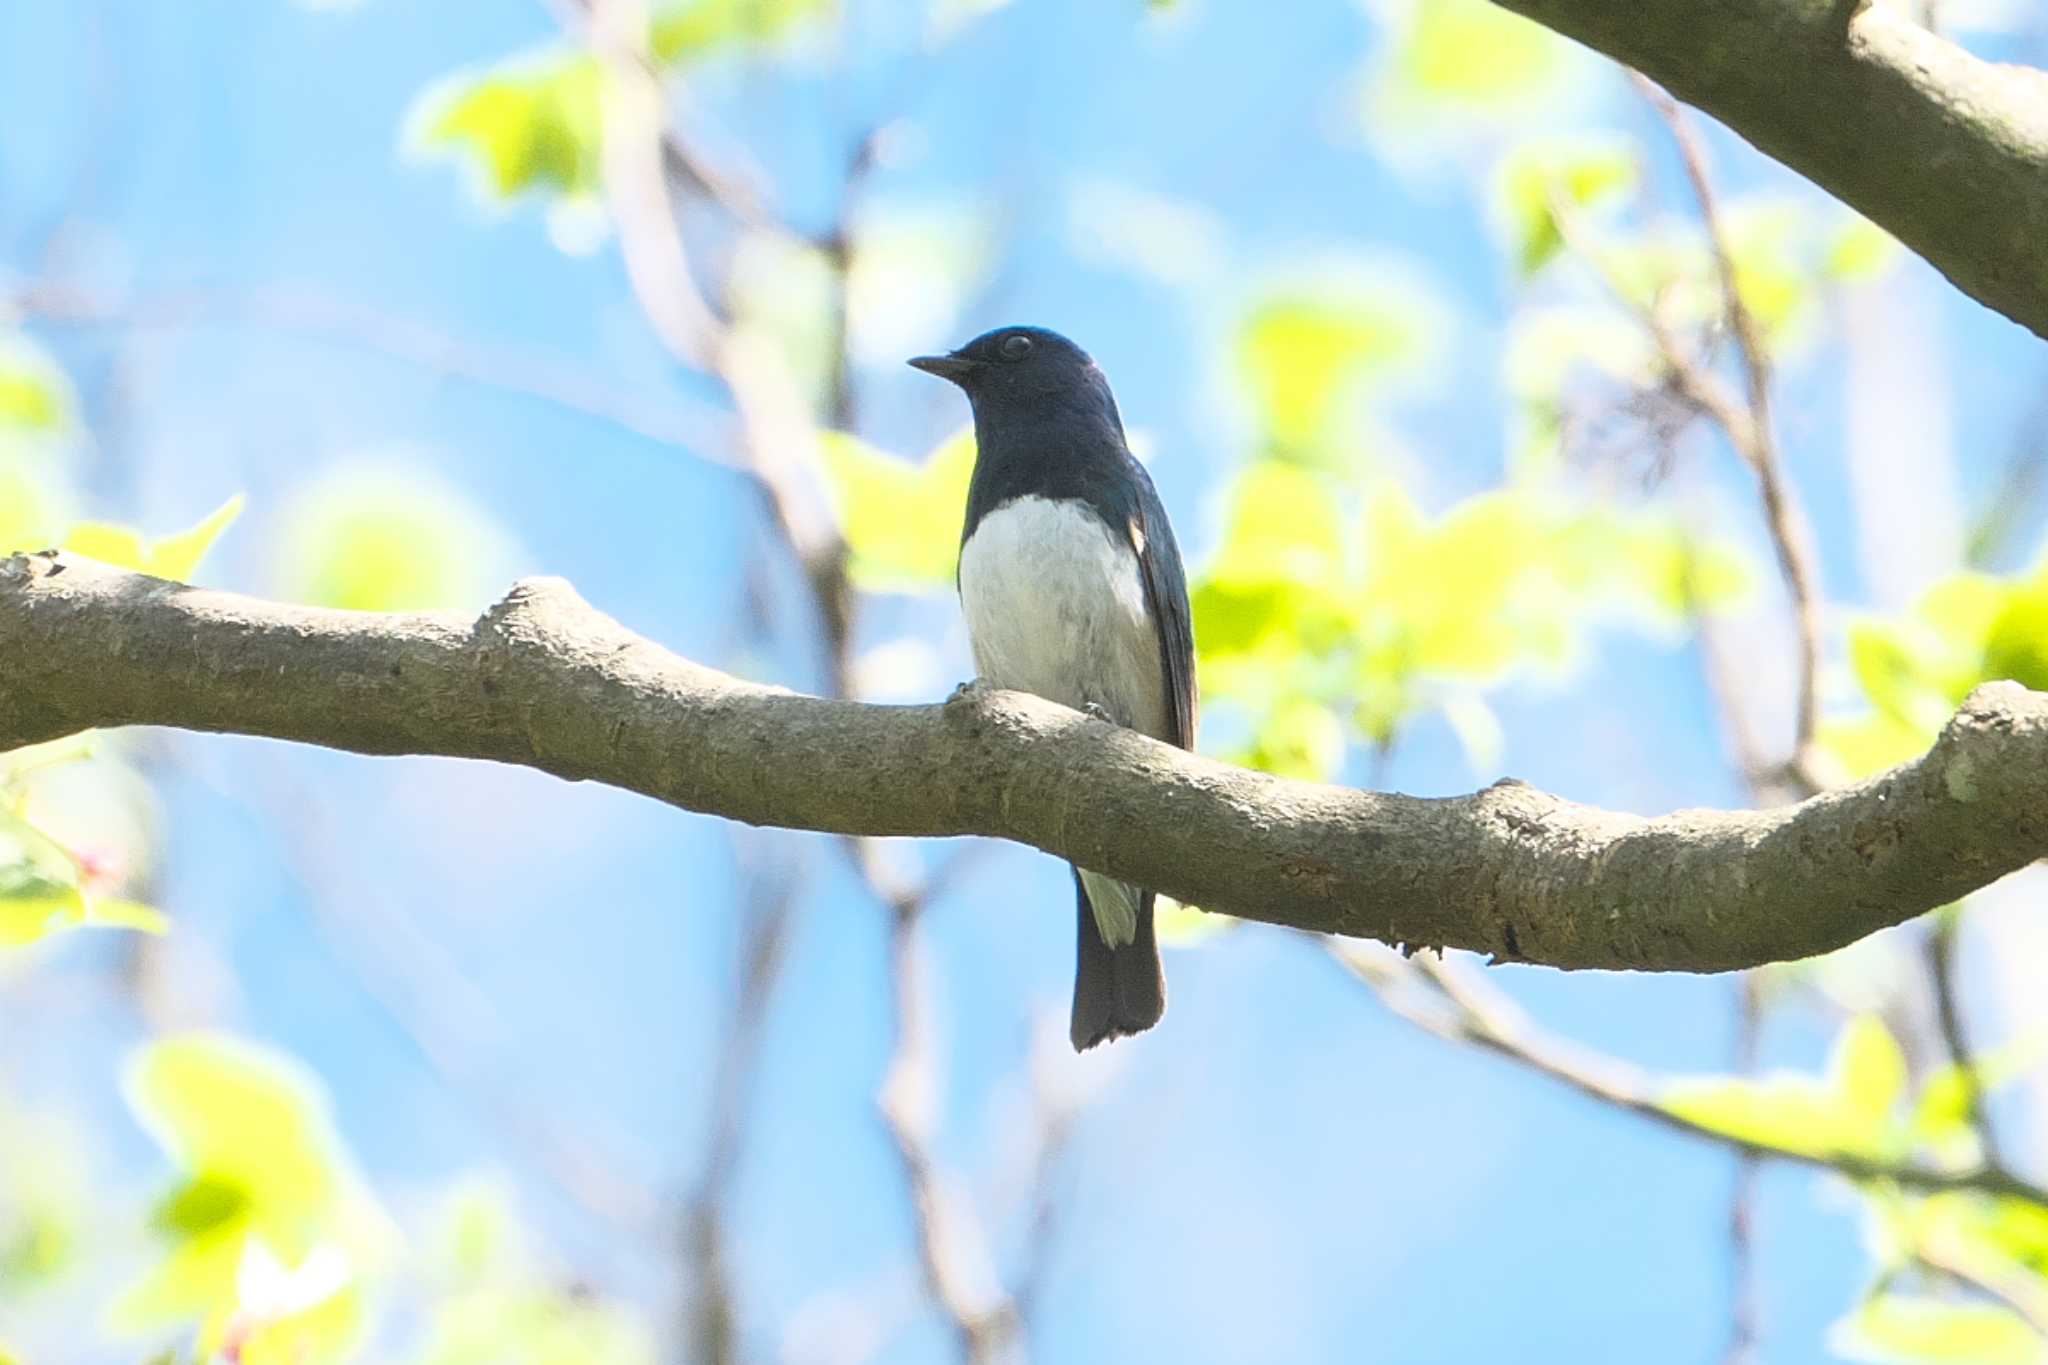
point(1073, 589)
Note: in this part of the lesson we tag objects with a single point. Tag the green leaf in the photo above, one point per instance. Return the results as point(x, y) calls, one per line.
point(241, 1118)
point(1860, 251)
point(202, 1205)
point(1537, 177)
point(2016, 645)
point(530, 124)
point(35, 397)
point(25, 919)
point(1923, 1330)
point(1869, 1070)
point(380, 537)
point(268, 1223)
point(901, 521)
point(1781, 1113)
point(1298, 739)
point(1467, 55)
point(1871, 743)
point(175, 557)
point(1850, 1113)
point(113, 913)
point(39, 884)
point(1309, 353)
point(1187, 926)
point(693, 29)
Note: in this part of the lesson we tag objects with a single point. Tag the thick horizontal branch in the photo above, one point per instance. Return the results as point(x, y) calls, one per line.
point(1947, 152)
point(543, 680)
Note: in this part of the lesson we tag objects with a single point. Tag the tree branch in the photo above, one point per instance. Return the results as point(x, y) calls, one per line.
point(1947, 152)
point(543, 680)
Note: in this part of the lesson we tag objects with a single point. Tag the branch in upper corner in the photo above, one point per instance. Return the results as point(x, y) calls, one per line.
point(543, 680)
point(1946, 151)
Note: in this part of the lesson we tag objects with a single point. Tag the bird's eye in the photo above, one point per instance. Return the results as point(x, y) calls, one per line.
point(1016, 347)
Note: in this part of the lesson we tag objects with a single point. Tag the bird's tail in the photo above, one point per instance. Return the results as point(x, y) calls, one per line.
point(1117, 990)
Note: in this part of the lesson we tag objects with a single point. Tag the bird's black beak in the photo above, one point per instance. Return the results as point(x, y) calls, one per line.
point(956, 367)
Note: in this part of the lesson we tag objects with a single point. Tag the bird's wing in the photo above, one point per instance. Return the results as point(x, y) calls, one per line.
point(1166, 588)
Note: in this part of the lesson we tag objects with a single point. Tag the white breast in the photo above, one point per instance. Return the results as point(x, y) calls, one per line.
point(1055, 605)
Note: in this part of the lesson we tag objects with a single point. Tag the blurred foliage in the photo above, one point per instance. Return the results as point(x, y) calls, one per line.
point(498, 1307)
point(46, 885)
point(1857, 1109)
point(385, 536)
point(1328, 607)
point(1915, 669)
point(1315, 353)
point(1922, 1327)
point(534, 123)
point(175, 557)
point(1465, 64)
point(267, 1233)
point(901, 521)
point(1338, 605)
point(36, 401)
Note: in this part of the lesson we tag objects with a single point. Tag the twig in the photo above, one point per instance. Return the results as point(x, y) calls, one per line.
point(1941, 953)
point(1745, 1300)
point(1462, 1008)
point(779, 440)
point(699, 430)
point(711, 1320)
point(951, 1249)
point(1751, 433)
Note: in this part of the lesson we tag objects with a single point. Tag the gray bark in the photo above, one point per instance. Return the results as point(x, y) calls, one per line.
point(543, 680)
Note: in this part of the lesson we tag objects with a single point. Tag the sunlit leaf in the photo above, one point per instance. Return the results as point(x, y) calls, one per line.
point(268, 1220)
point(501, 1309)
point(380, 537)
point(1860, 250)
point(39, 884)
point(1869, 1070)
point(1923, 1330)
point(175, 557)
point(1783, 1113)
point(1298, 739)
point(1465, 55)
point(901, 521)
point(240, 1118)
point(2016, 645)
point(685, 30)
point(1540, 177)
point(1185, 926)
point(1308, 354)
point(531, 124)
point(35, 397)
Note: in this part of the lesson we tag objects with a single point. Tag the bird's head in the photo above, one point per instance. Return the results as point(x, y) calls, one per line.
point(1022, 368)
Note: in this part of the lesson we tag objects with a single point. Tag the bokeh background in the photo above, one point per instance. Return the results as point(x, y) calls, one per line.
point(415, 1060)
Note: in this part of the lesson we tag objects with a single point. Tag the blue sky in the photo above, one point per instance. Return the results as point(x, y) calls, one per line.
point(1282, 1171)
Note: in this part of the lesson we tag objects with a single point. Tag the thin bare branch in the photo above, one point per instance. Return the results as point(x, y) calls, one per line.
point(1791, 536)
point(1451, 1001)
point(698, 429)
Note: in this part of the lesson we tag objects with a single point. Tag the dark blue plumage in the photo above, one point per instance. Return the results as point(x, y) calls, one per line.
point(1073, 588)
